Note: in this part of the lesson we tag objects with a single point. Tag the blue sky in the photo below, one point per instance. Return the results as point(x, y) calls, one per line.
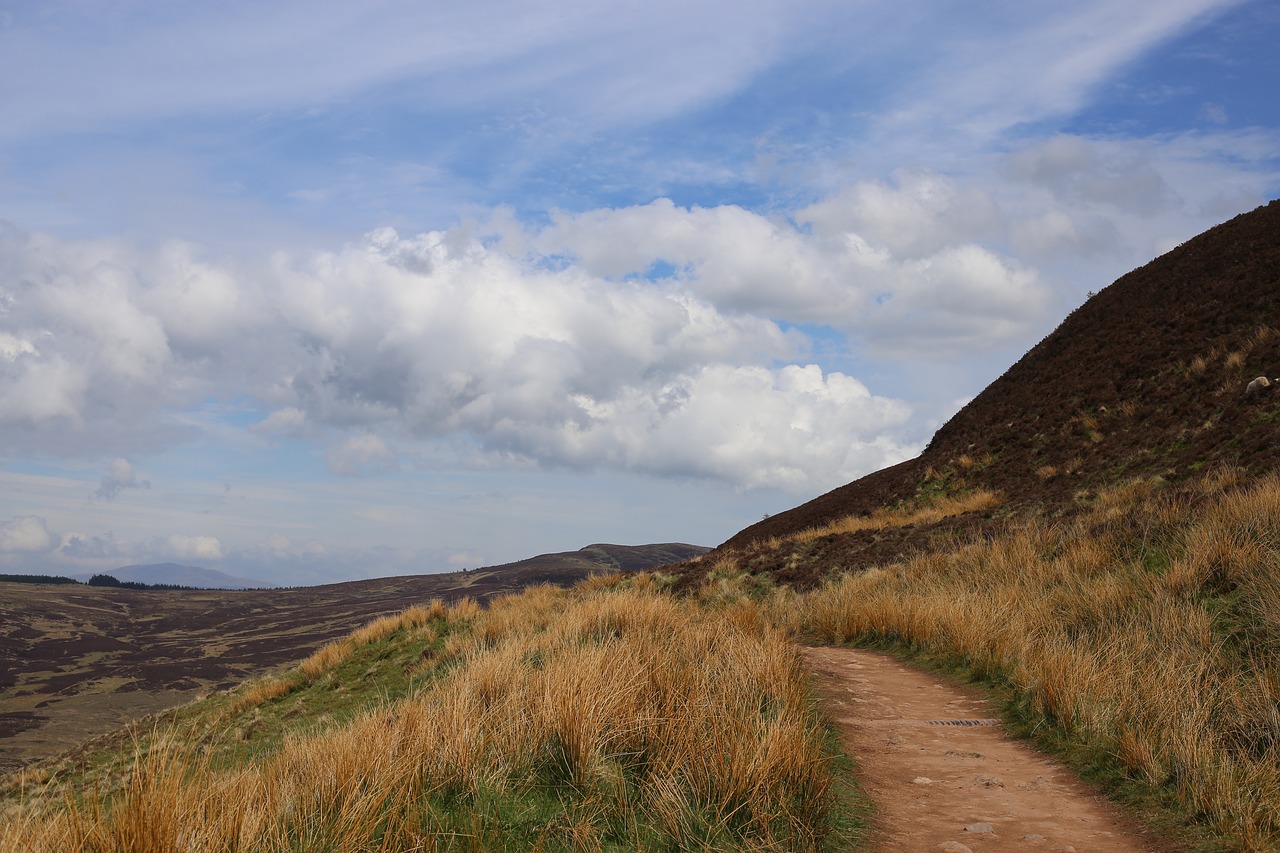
point(311, 292)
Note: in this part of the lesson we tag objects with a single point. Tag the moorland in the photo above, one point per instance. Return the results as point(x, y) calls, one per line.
point(80, 661)
point(1094, 539)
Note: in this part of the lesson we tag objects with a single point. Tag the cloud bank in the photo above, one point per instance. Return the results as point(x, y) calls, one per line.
point(559, 346)
point(656, 339)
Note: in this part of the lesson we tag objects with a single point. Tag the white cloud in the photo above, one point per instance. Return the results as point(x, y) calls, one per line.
point(793, 428)
point(79, 546)
point(120, 475)
point(1036, 63)
point(442, 335)
point(26, 534)
point(12, 348)
point(199, 306)
point(614, 64)
point(193, 547)
point(918, 215)
point(588, 342)
point(895, 267)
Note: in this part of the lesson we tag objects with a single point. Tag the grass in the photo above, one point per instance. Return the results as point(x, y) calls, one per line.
point(612, 717)
point(935, 509)
point(1145, 633)
point(1140, 638)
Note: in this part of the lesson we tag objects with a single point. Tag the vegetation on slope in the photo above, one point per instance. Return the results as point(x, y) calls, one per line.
point(612, 716)
point(80, 659)
point(1143, 634)
point(1146, 378)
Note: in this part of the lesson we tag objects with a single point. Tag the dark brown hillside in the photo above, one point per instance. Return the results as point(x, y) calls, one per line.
point(1146, 378)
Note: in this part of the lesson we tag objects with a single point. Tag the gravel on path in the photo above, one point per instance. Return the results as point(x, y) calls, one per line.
point(943, 774)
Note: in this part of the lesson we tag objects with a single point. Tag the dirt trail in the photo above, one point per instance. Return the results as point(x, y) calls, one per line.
point(945, 776)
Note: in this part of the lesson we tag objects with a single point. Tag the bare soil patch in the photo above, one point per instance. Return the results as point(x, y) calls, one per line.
point(944, 775)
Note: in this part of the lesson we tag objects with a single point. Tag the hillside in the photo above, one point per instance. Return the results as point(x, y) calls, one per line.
point(609, 717)
point(83, 660)
point(1146, 378)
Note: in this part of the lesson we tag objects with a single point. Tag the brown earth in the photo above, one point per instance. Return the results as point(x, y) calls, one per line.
point(943, 774)
point(77, 661)
point(1147, 378)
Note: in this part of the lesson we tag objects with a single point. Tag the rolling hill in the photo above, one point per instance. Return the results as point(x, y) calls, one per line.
point(177, 574)
point(82, 660)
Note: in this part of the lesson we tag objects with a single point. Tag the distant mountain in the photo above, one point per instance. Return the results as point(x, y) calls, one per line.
point(179, 575)
point(568, 567)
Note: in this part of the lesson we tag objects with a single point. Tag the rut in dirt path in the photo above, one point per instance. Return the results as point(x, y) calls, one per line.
point(943, 774)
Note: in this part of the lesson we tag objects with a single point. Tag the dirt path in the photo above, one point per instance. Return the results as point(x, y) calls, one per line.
point(943, 774)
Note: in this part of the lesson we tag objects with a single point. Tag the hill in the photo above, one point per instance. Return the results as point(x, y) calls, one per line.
point(83, 660)
point(606, 717)
point(177, 574)
point(1147, 378)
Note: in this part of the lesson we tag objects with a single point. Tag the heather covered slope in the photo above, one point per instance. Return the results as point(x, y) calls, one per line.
point(1146, 378)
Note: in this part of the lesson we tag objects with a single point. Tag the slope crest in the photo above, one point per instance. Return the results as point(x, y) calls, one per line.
point(1146, 378)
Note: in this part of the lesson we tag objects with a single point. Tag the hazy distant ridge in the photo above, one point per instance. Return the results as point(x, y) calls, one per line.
point(180, 575)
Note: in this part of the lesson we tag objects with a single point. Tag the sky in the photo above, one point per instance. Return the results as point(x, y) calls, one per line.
point(310, 292)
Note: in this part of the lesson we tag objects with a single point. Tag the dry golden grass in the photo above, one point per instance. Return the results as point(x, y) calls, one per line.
point(1150, 628)
point(663, 725)
point(261, 691)
point(935, 510)
point(333, 654)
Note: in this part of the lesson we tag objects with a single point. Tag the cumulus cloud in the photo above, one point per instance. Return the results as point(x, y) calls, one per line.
point(896, 266)
point(596, 339)
point(120, 476)
point(97, 550)
point(652, 338)
point(78, 546)
point(26, 534)
point(914, 216)
point(193, 547)
point(792, 427)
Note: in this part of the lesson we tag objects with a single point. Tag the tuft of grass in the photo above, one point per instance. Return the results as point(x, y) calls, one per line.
point(943, 506)
point(613, 717)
